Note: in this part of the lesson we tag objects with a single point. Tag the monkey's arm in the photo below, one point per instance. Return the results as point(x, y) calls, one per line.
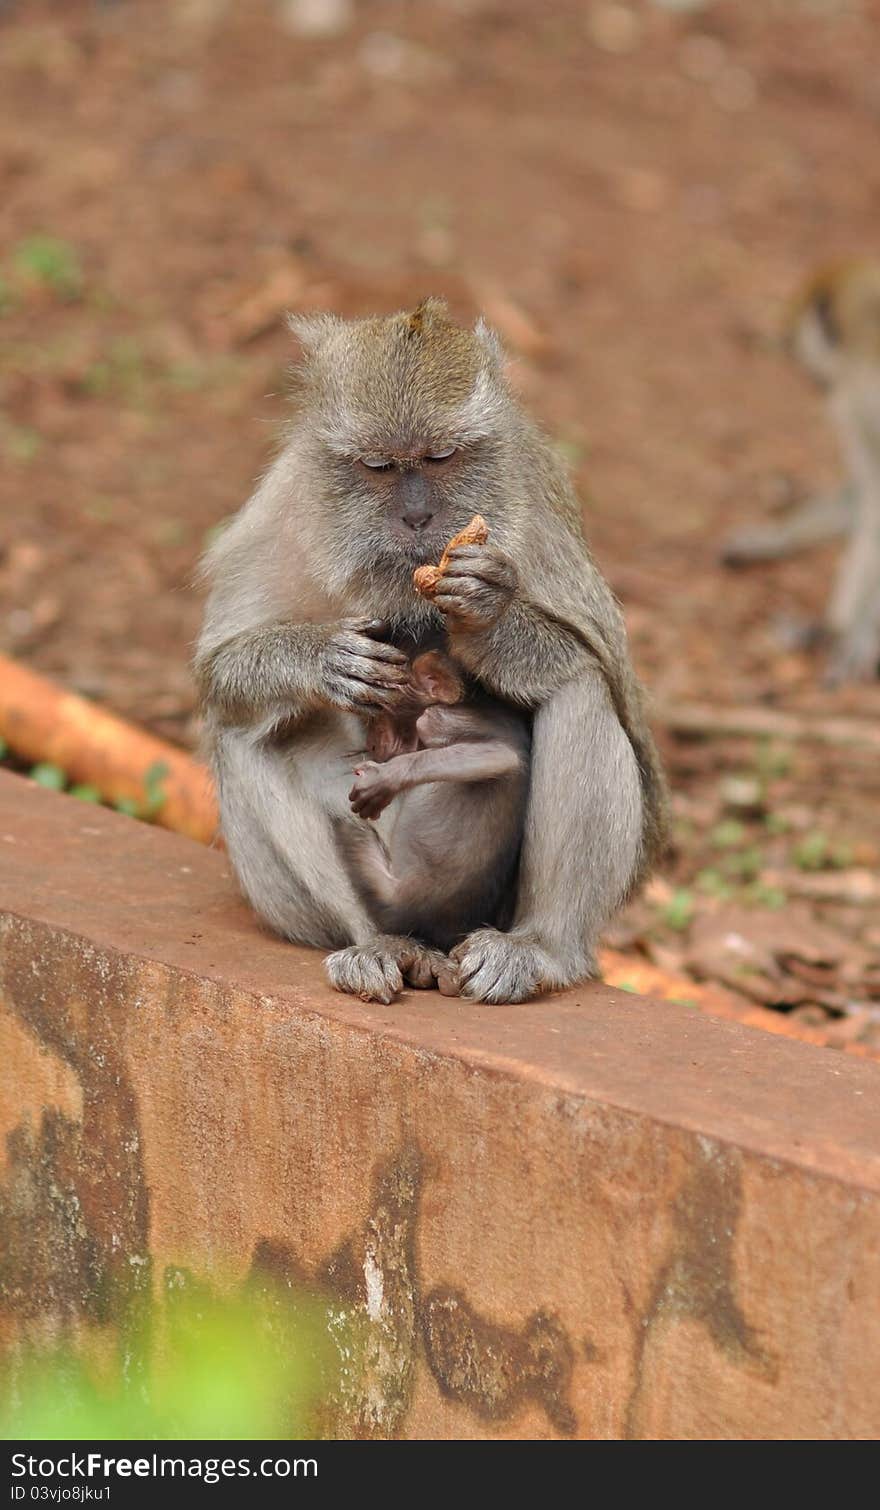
point(377, 785)
point(287, 670)
point(518, 648)
point(854, 610)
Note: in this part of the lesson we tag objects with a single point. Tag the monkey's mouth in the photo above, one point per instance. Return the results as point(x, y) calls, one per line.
point(421, 549)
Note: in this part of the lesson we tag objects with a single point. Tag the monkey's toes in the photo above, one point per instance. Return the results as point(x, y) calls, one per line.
point(369, 971)
point(499, 967)
point(425, 968)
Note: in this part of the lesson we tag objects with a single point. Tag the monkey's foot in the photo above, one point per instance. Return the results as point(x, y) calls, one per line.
point(505, 967)
point(377, 971)
point(855, 657)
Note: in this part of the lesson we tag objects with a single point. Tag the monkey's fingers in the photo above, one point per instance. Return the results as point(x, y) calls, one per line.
point(365, 970)
point(368, 809)
point(482, 562)
point(379, 670)
point(468, 599)
point(377, 630)
point(371, 650)
point(454, 598)
point(368, 798)
point(363, 697)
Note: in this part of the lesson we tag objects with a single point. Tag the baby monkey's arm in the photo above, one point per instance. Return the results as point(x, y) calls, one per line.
point(376, 785)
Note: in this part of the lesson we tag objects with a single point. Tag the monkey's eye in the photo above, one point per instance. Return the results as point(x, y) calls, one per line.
point(377, 463)
point(442, 453)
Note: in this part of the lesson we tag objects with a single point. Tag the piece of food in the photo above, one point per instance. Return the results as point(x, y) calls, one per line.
point(426, 578)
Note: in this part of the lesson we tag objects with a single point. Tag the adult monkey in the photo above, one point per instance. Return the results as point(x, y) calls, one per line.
point(404, 428)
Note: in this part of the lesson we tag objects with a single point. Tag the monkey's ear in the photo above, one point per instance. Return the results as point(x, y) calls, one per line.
point(435, 678)
point(490, 342)
point(311, 330)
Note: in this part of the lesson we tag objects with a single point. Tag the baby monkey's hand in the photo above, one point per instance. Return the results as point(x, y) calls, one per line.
point(372, 790)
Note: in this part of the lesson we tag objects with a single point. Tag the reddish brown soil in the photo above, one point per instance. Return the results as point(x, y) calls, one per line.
point(633, 219)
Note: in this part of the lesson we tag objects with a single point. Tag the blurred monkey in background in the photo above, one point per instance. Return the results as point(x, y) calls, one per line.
point(833, 330)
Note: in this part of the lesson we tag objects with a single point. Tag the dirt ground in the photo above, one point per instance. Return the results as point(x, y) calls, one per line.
point(631, 192)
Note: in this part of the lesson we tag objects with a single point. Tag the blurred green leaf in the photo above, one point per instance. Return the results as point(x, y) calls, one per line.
point(154, 776)
point(713, 884)
point(728, 834)
point(252, 1366)
point(50, 262)
point(51, 776)
point(679, 910)
point(812, 853)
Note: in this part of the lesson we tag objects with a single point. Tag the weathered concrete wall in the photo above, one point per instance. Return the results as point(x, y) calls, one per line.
point(594, 1216)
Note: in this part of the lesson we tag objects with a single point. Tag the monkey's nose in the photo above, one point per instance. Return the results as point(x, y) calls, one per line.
point(415, 501)
point(417, 519)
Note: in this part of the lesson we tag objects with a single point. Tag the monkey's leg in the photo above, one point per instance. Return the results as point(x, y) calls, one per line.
point(817, 520)
point(279, 820)
point(854, 611)
point(581, 850)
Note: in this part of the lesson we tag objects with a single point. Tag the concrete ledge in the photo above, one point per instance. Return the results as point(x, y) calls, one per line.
point(596, 1216)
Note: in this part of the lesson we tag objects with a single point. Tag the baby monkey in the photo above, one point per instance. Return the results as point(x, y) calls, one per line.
point(459, 765)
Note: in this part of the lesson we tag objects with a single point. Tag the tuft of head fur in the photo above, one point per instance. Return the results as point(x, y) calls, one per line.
point(394, 382)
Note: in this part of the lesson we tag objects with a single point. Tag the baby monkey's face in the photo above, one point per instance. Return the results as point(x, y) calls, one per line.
point(435, 689)
point(440, 688)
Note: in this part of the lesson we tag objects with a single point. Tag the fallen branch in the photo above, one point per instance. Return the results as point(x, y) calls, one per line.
point(857, 888)
point(704, 721)
point(43, 722)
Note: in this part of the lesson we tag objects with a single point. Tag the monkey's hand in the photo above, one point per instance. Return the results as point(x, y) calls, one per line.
point(361, 672)
point(476, 588)
point(372, 791)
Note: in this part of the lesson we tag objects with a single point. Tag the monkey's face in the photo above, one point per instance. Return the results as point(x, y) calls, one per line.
point(415, 495)
point(406, 417)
